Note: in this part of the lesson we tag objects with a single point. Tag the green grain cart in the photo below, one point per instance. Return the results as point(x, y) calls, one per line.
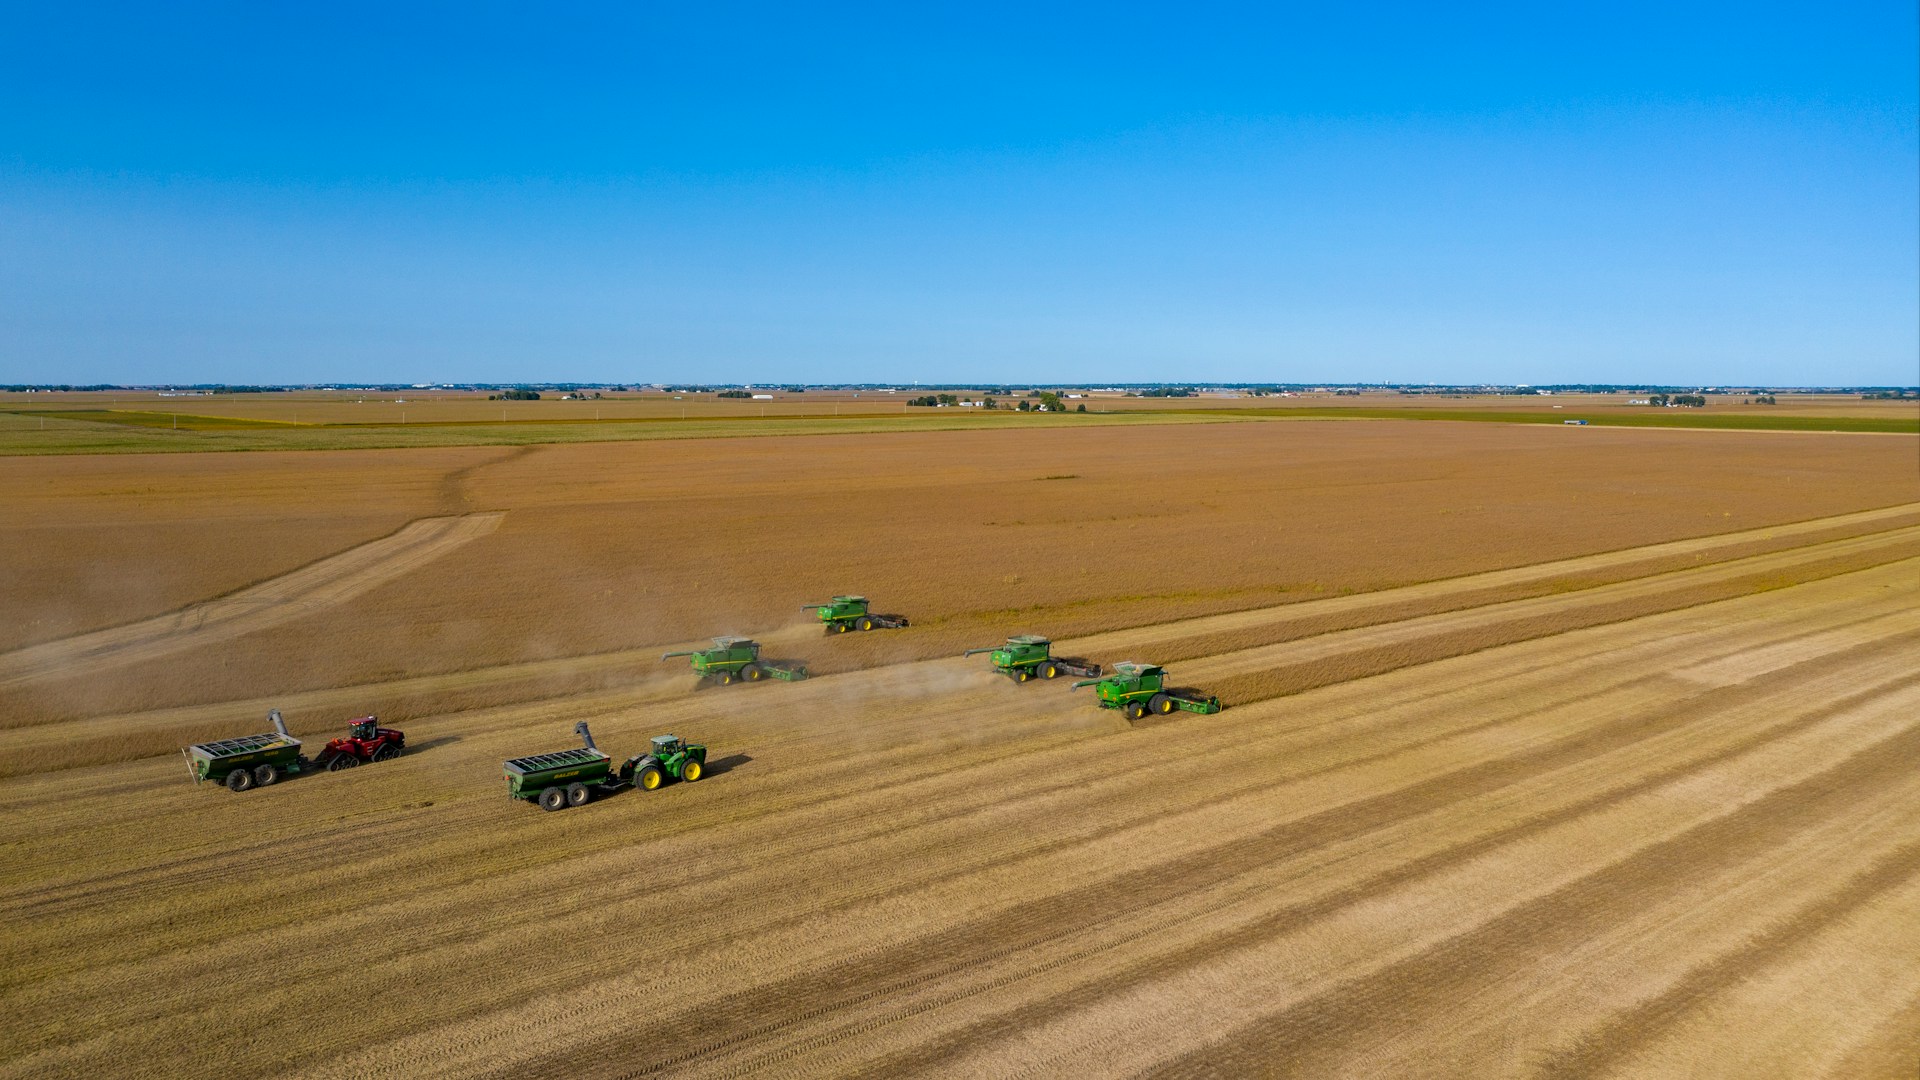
point(844, 613)
point(1028, 655)
point(1138, 689)
point(737, 659)
point(249, 761)
point(566, 778)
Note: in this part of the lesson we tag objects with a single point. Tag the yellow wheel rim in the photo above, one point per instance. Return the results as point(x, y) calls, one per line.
point(650, 781)
point(692, 770)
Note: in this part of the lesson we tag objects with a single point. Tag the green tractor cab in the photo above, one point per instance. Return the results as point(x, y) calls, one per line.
point(564, 778)
point(1139, 689)
point(1026, 656)
point(737, 659)
point(844, 613)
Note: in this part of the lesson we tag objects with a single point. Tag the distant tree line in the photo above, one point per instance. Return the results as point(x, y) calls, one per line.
point(1689, 401)
point(515, 395)
point(734, 394)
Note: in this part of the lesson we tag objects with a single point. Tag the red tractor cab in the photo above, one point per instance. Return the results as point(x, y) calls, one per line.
point(366, 741)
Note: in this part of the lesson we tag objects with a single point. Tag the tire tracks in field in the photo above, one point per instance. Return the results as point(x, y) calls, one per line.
point(326, 583)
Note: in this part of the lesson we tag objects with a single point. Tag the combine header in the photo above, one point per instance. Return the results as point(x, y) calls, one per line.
point(1138, 689)
point(566, 778)
point(737, 659)
point(844, 613)
point(259, 760)
point(1028, 655)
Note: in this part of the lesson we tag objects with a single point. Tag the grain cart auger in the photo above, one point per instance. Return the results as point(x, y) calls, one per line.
point(737, 659)
point(1028, 655)
point(1138, 689)
point(258, 760)
point(844, 613)
point(566, 778)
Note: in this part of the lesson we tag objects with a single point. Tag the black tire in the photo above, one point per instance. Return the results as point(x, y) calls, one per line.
point(649, 778)
point(386, 753)
point(239, 780)
point(1049, 670)
point(1021, 674)
point(553, 798)
point(692, 770)
point(863, 623)
point(1134, 710)
point(841, 628)
point(578, 795)
point(1160, 703)
point(725, 678)
point(264, 775)
point(342, 762)
point(752, 673)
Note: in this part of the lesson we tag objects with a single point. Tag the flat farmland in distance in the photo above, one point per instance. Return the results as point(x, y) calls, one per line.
point(1548, 751)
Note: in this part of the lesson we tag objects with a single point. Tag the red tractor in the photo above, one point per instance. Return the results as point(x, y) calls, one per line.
point(366, 741)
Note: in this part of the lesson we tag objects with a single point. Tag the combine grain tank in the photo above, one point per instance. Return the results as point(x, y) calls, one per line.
point(1027, 655)
point(844, 613)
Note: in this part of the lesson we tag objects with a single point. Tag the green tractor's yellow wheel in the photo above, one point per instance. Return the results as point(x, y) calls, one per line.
point(691, 771)
point(649, 778)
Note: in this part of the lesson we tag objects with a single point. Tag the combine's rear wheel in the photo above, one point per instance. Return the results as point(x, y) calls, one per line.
point(553, 798)
point(1021, 674)
point(578, 795)
point(725, 678)
point(1133, 710)
point(841, 628)
point(239, 780)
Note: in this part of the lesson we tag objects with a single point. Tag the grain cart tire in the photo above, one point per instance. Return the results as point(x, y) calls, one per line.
point(864, 623)
point(386, 753)
point(264, 775)
point(1160, 703)
point(1133, 710)
point(578, 794)
point(1049, 671)
point(752, 673)
point(239, 780)
point(342, 762)
point(648, 779)
point(692, 771)
point(553, 798)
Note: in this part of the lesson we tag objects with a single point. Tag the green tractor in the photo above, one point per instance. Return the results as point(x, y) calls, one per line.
point(737, 659)
point(573, 777)
point(1027, 655)
point(1138, 689)
point(844, 613)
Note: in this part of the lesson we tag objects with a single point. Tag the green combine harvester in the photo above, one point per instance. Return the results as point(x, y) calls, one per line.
point(566, 778)
point(844, 613)
point(1028, 655)
point(1138, 689)
point(737, 659)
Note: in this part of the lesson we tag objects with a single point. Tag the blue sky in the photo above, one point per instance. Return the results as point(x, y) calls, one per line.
point(1539, 193)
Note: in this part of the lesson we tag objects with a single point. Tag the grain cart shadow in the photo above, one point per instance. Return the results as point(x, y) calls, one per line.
point(722, 766)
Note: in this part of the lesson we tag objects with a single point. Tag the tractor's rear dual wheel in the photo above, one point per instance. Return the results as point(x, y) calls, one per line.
point(553, 798)
point(648, 779)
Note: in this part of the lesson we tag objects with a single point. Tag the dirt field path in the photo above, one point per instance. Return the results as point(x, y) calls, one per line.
point(322, 584)
point(1660, 825)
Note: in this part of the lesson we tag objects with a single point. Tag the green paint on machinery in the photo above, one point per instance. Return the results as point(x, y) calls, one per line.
point(573, 777)
point(737, 659)
point(1138, 689)
point(1028, 655)
point(249, 761)
point(844, 613)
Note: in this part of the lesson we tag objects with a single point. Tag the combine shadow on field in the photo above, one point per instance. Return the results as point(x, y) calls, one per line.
point(722, 766)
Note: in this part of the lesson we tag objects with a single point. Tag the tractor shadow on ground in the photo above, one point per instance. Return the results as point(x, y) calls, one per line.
point(722, 766)
point(428, 744)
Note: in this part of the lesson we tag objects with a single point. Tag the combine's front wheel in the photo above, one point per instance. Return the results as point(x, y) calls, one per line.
point(1161, 704)
point(752, 673)
point(864, 623)
point(1048, 670)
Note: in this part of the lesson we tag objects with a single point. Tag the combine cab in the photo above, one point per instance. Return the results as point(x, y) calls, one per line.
point(259, 760)
point(737, 659)
point(1138, 689)
point(844, 613)
point(1028, 655)
point(566, 778)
